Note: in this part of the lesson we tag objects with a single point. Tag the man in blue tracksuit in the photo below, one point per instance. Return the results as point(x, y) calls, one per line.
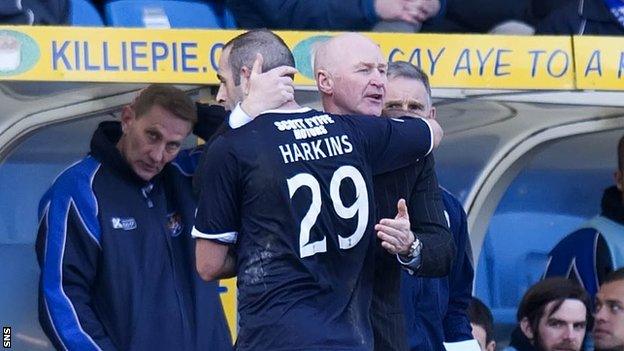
point(114, 244)
point(434, 308)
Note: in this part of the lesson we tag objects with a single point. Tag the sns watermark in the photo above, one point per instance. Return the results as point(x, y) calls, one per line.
point(6, 337)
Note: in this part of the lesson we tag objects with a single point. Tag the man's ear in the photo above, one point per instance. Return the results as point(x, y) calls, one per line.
point(618, 177)
point(433, 113)
point(491, 346)
point(245, 73)
point(525, 326)
point(324, 82)
point(127, 117)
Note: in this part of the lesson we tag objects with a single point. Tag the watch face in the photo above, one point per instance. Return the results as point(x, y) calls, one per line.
point(415, 249)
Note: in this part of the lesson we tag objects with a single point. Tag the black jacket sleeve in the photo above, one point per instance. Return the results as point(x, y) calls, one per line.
point(212, 121)
point(426, 211)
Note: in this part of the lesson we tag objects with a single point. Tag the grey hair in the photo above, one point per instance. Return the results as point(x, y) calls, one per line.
point(403, 69)
point(244, 48)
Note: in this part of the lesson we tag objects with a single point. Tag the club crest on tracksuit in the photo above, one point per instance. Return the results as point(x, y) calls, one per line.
point(174, 224)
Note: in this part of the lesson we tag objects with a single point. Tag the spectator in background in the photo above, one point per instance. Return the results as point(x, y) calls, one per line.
point(359, 15)
point(598, 247)
point(435, 308)
point(351, 78)
point(609, 313)
point(34, 12)
point(482, 324)
point(553, 315)
point(580, 17)
point(478, 16)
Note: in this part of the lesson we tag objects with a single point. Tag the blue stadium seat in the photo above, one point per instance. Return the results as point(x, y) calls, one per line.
point(538, 209)
point(166, 14)
point(83, 13)
point(514, 257)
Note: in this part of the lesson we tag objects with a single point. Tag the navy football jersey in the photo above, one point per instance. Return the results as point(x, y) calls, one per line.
point(292, 190)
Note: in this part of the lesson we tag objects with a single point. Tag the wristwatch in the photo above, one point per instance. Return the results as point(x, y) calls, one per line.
point(415, 248)
point(412, 263)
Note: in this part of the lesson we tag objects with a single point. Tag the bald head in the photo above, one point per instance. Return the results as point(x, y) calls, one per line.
point(331, 53)
point(350, 74)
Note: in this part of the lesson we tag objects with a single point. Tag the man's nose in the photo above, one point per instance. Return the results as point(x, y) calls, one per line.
point(221, 95)
point(600, 314)
point(157, 153)
point(378, 78)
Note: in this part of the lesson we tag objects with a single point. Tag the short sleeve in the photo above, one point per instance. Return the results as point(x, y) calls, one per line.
point(218, 213)
point(394, 143)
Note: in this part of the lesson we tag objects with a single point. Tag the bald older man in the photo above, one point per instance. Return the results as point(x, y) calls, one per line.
point(351, 78)
point(297, 171)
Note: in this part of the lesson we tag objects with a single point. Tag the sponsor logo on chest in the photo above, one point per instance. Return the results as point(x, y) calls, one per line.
point(125, 223)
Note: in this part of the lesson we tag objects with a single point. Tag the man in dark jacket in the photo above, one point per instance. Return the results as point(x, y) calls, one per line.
point(114, 243)
point(435, 308)
point(585, 17)
point(37, 12)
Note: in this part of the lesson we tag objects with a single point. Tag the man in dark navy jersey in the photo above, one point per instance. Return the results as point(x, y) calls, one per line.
point(351, 77)
point(287, 203)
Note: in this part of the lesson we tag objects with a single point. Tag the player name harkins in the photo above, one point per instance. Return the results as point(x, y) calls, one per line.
point(304, 128)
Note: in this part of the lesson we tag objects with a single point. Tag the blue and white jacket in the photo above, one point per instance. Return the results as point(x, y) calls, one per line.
point(117, 258)
point(594, 250)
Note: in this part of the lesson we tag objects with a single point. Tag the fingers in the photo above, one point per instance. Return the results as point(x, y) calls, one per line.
point(284, 71)
point(402, 209)
point(409, 17)
point(257, 65)
point(397, 236)
point(389, 240)
point(390, 248)
point(421, 16)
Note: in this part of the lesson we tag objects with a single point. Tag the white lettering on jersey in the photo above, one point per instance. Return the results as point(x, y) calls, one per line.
point(305, 128)
point(316, 149)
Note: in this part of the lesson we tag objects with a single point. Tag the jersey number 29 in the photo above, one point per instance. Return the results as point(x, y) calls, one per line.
point(359, 208)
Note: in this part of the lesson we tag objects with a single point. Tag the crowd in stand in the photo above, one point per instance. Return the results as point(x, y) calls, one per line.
point(571, 17)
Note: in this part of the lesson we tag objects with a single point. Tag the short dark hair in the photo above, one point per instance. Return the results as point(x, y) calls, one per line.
point(403, 69)
point(614, 276)
point(557, 289)
point(620, 153)
point(480, 314)
point(244, 48)
point(168, 97)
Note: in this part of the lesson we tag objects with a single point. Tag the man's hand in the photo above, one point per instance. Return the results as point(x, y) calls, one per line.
point(410, 11)
point(269, 90)
point(395, 234)
point(425, 9)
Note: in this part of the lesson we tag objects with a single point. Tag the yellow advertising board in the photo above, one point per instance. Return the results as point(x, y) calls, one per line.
point(599, 63)
point(227, 291)
point(191, 56)
point(485, 61)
